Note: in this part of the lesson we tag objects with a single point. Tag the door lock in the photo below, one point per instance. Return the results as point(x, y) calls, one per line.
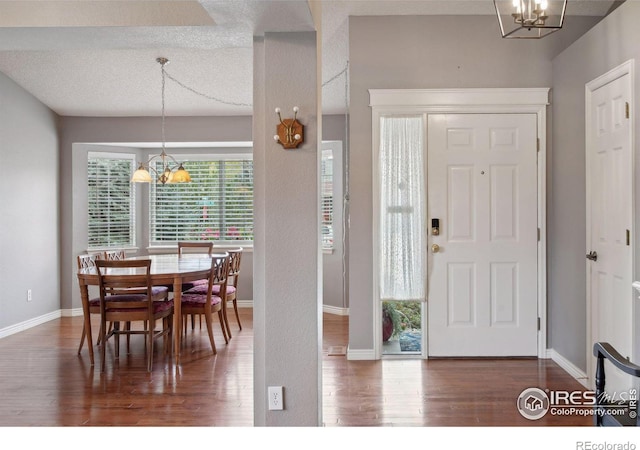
point(435, 248)
point(435, 227)
point(592, 256)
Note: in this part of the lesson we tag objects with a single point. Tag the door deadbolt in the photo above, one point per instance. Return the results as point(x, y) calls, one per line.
point(435, 227)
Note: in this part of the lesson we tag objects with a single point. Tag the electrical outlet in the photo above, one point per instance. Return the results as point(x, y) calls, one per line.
point(276, 400)
point(28, 295)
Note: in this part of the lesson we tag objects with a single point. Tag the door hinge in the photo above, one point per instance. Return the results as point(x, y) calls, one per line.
point(538, 323)
point(538, 234)
point(626, 109)
point(628, 237)
point(538, 145)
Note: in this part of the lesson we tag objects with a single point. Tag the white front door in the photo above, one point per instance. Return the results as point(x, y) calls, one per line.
point(482, 186)
point(609, 219)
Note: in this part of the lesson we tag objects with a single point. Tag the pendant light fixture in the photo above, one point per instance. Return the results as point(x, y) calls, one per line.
point(530, 19)
point(172, 171)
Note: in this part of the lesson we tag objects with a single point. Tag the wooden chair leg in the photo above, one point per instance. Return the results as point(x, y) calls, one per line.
point(103, 339)
point(235, 308)
point(116, 330)
point(167, 325)
point(127, 328)
point(226, 321)
point(209, 324)
point(149, 341)
point(222, 325)
point(84, 333)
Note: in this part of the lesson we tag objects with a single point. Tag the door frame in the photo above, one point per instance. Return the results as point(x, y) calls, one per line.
point(626, 68)
point(460, 101)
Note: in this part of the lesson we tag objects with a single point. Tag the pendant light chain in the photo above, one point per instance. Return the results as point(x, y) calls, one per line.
point(210, 97)
point(162, 63)
point(226, 102)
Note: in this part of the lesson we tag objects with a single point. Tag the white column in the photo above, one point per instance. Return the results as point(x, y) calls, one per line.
point(287, 251)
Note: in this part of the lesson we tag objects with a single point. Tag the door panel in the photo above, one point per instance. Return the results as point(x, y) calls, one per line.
point(482, 186)
point(609, 215)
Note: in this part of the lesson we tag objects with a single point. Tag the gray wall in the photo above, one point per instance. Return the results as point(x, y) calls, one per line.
point(424, 52)
point(29, 192)
point(610, 43)
point(76, 132)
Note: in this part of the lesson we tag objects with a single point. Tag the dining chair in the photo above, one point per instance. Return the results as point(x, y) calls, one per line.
point(190, 246)
point(200, 300)
point(114, 255)
point(127, 295)
point(235, 257)
point(88, 261)
point(185, 247)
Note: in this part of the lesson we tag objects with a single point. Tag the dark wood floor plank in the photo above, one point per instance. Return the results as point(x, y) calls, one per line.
point(43, 382)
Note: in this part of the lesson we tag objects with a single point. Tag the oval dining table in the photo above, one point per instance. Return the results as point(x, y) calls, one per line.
point(165, 269)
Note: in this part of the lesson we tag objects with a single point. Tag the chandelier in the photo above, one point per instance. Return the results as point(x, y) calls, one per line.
point(172, 171)
point(529, 19)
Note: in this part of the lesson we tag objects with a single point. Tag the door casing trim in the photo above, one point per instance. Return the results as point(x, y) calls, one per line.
point(459, 101)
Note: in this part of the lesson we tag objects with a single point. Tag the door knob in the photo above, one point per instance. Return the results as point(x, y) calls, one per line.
point(435, 248)
point(592, 256)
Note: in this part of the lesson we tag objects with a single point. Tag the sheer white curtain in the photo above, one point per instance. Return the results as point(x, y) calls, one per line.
point(402, 209)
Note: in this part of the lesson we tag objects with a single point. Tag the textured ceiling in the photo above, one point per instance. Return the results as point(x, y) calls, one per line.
point(98, 58)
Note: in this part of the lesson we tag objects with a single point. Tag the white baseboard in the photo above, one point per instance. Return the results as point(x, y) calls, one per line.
point(361, 355)
point(569, 367)
point(245, 303)
point(335, 310)
point(13, 329)
point(74, 312)
point(325, 308)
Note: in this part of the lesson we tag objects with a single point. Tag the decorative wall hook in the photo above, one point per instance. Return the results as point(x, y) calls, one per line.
point(289, 131)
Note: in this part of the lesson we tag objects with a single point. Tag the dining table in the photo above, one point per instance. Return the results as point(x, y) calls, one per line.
point(166, 269)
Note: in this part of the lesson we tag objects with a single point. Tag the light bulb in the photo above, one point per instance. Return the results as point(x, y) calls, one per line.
point(296, 137)
point(277, 110)
point(543, 4)
point(516, 5)
point(295, 109)
point(276, 138)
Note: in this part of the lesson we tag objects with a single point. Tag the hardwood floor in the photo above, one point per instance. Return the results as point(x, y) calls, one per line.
point(43, 382)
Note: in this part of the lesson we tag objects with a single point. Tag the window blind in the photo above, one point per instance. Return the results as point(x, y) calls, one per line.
point(216, 206)
point(327, 199)
point(111, 200)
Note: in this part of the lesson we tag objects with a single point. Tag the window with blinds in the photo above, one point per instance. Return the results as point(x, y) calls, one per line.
point(216, 206)
point(110, 200)
point(327, 199)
